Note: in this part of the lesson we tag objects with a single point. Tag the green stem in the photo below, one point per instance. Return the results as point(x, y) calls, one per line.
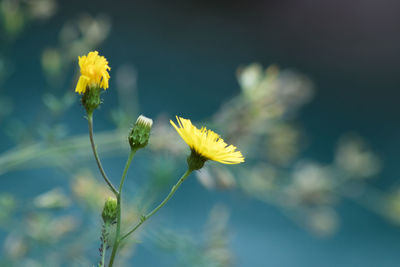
point(96, 156)
point(128, 163)
point(118, 230)
point(169, 196)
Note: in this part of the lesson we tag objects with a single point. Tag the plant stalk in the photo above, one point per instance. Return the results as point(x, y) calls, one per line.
point(118, 230)
point(99, 165)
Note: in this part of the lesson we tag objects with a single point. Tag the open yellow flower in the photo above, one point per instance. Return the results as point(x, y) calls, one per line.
point(206, 144)
point(94, 72)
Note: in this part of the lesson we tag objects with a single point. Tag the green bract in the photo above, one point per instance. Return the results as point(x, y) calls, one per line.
point(91, 99)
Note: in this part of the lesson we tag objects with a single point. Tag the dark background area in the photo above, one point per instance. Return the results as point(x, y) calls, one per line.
point(349, 49)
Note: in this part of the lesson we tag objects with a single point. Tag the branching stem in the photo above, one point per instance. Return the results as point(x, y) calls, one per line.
point(169, 196)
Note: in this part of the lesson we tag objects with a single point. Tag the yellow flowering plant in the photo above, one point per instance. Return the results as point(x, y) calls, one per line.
point(94, 72)
point(94, 76)
point(204, 145)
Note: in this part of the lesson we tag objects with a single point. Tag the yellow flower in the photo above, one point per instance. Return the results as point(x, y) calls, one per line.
point(206, 144)
point(94, 72)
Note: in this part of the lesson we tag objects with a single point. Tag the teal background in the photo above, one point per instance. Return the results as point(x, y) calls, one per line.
point(186, 54)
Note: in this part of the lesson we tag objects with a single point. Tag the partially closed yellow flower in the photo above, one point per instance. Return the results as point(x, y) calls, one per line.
point(206, 144)
point(94, 72)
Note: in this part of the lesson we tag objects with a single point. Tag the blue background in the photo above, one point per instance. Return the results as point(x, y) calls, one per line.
point(186, 54)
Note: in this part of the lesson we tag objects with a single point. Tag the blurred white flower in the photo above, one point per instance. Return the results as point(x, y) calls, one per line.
point(355, 158)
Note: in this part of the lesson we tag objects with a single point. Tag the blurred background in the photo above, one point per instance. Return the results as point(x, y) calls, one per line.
point(307, 90)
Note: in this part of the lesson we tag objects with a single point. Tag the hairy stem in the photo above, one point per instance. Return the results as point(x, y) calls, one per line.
point(103, 246)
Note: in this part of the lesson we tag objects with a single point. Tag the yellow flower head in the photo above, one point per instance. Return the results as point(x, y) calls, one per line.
point(206, 143)
point(94, 72)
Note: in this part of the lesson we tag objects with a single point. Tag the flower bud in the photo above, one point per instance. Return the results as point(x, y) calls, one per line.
point(109, 213)
point(140, 133)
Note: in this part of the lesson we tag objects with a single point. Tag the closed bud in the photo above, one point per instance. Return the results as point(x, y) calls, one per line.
point(140, 133)
point(109, 213)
